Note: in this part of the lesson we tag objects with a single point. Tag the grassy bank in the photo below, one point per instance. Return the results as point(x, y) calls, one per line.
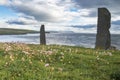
point(53, 62)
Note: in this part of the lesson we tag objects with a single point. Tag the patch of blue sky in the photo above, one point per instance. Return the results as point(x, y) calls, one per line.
point(5, 12)
point(73, 9)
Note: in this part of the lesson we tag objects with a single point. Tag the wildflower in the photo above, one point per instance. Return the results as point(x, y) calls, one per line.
point(97, 58)
point(62, 53)
point(61, 60)
point(60, 69)
point(26, 52)
point(49, 52)
point(76, 51)
point(62, 57)
point(49, 59)
point(8, 48)
point(69, 62)
point(107, 62)
point(12, 57)
point(6, 64)
point(52, 68)
point(109, 53)
point(19, 74)
point(46, 65)
point(70, 50)
point(41, 60)
point(30, 61)
point(23, 59)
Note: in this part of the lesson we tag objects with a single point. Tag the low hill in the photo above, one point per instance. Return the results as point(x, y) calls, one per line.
point(9, 31)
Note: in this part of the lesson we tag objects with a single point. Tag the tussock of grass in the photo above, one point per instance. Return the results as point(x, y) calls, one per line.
point(53, 62)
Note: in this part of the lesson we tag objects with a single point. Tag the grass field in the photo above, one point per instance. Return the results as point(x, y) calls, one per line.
point(54, 62)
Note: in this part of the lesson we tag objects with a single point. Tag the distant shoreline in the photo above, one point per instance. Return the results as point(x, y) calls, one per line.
point(9, 31)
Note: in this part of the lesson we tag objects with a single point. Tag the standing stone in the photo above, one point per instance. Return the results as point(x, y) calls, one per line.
point(42, 35)
point(103, 38)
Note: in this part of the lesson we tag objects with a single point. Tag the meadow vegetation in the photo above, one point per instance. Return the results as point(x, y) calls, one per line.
point(54, 62)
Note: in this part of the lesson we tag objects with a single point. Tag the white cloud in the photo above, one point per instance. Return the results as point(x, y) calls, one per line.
point(3, 2)
point(23, 21)
point(42, 10)
point(115, 29)
point(56, 14)
point(51, 11)
point(3, 24)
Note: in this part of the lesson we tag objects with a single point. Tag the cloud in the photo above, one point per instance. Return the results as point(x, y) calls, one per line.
point(89, 3)
point(43, 10)
point(115, 29)
point(23, 21)
point(57, 14)
point(112, 5)
point(97, 3)
point(51, 11)
point(3, 2)
point(3, 24)
point(60, 10)
point(116, 22)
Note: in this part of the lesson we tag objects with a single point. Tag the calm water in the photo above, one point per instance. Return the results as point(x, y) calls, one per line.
point(72, 39)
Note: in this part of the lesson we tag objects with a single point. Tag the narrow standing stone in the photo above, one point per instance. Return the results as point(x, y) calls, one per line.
point(103, 37)
point(42, 35)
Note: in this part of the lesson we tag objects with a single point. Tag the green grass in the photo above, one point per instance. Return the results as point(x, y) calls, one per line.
point(53, 62)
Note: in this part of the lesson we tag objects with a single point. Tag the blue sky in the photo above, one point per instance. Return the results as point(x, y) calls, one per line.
point(5, 12)
point(58, 15)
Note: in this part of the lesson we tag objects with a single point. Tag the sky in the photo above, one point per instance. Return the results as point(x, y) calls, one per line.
point(78, 16)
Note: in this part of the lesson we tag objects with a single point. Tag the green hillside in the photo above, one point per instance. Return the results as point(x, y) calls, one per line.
point(8, 31)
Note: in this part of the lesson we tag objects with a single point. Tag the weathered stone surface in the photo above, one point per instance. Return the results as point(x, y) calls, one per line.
point(103, 37)
point(42, 35)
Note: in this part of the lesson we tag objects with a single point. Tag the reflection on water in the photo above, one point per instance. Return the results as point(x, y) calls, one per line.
point(72, 39)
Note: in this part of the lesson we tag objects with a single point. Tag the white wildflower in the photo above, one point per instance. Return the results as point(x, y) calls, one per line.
point(46, 65)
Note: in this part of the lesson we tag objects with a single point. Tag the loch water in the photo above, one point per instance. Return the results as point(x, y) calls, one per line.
point(71, 39)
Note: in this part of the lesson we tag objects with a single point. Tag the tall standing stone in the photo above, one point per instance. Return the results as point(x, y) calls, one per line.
point(103, 37)
point(42, 35)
